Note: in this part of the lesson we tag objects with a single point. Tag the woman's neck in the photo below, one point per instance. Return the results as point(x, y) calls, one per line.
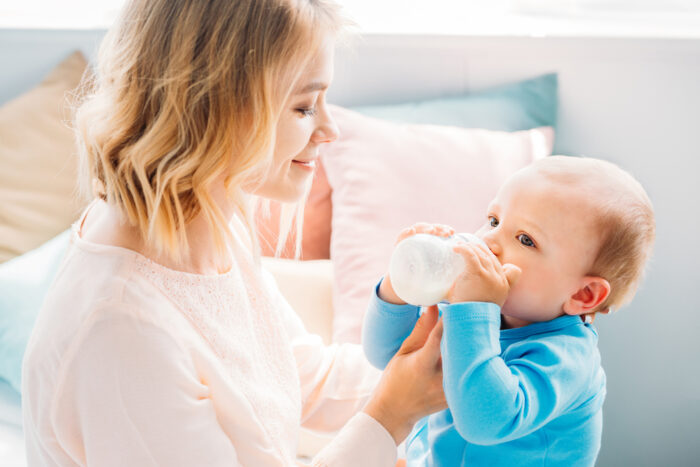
point(103, 225)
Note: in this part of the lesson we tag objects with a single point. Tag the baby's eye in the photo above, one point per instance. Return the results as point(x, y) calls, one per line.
point(493, 222)
point(525, 240)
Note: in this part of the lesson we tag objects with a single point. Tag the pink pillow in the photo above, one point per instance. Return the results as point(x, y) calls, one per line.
point(386, 176)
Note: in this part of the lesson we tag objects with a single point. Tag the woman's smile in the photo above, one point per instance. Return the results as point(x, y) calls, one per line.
point(305, 165)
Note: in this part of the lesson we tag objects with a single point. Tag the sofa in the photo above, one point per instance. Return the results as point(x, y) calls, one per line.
point(633, 101)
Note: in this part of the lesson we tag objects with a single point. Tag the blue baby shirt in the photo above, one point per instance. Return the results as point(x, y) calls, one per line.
point(529, 396)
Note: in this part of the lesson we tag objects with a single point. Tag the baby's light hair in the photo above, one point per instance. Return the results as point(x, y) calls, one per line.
point(625, 222)
point(185, 92)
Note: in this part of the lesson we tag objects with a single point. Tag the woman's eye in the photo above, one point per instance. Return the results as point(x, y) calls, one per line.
point(307, 111)
point(525, 240)
point(493, 222)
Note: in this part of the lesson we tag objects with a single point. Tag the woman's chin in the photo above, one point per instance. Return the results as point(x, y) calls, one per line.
point(290, 195)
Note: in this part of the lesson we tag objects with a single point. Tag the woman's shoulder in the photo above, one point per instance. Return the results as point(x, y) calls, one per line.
point(105, 264)
point(100, 301)
point(99, 281)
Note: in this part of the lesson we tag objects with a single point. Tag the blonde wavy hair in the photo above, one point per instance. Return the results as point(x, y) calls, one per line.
point(184, 92)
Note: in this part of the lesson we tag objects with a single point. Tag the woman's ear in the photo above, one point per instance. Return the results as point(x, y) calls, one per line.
point(593, 291)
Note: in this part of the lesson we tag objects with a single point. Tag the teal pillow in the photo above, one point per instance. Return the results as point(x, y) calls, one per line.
point(513, 107)
point(24, 282)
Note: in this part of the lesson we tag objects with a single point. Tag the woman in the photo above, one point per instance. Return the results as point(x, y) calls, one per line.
point(162, 342)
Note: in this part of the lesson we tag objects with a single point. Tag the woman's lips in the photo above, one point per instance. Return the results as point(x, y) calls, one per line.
point(305, 164)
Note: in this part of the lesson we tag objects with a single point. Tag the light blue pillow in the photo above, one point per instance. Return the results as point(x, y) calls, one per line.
point(24, 282)
point(513, 107)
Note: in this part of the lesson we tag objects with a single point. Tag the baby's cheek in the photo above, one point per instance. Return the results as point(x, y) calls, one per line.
point(518, 294)
point(527, 292)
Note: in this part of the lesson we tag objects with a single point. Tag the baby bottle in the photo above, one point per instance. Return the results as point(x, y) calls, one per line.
point(423, 267)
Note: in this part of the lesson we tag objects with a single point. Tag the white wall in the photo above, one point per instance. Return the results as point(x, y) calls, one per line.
point(635, 102)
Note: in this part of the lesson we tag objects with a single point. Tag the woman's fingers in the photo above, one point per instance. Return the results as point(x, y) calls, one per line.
point(431, 350)
point(421, 331)
point(430, 366)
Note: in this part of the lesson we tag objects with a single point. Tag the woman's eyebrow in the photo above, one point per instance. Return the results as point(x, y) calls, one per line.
point(313, 86)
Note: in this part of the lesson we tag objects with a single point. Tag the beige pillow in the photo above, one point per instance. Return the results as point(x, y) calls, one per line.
point(38, 162)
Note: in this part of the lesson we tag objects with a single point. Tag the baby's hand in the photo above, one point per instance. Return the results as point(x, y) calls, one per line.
point(386, 291)
point(484, 278)
point(423, 227)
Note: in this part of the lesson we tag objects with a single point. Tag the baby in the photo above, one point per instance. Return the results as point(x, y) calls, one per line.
point(567, 238)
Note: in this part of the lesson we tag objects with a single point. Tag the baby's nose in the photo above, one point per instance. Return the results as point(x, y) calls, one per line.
point(492, 244)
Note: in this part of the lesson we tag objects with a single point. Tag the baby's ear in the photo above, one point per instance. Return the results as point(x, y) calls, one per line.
point(593, 291)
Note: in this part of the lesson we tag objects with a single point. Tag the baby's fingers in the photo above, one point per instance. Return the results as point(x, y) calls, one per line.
point(488, 260)
point(512, 273)
point(434, 229)
point(404, 234)
point(443, 230)
point(425, 228)
point(471, 258)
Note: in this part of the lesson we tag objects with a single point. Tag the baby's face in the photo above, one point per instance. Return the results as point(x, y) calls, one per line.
point(548, 230)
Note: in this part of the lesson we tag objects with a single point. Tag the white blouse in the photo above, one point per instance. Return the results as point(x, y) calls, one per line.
point(132, 363)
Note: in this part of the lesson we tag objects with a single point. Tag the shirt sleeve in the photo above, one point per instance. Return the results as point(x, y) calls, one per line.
point(385, 327)
point(363, 441)
point(493, 400)
point(336, 382)
point(130, 395)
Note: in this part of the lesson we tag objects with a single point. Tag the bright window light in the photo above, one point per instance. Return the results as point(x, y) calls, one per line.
point(462, 17)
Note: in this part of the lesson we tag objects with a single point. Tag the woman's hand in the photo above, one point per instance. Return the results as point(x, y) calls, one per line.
point(484, 278)
point(411, 386)
point(386, 290)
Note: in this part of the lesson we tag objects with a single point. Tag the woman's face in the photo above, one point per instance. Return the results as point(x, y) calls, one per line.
point(304, 125)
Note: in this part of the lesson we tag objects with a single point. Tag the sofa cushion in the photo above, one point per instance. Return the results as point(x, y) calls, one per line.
point(307, 286)
point(24, 282)
point(39, 164)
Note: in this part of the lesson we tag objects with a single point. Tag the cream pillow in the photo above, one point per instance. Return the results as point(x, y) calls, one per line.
point(39, 162)
point(307, 286)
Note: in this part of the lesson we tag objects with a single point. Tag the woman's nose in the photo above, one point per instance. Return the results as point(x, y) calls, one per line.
point(327, 130)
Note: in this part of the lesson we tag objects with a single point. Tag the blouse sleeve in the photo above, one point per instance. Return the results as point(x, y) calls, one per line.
point(336, 382)
point(130, 395)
